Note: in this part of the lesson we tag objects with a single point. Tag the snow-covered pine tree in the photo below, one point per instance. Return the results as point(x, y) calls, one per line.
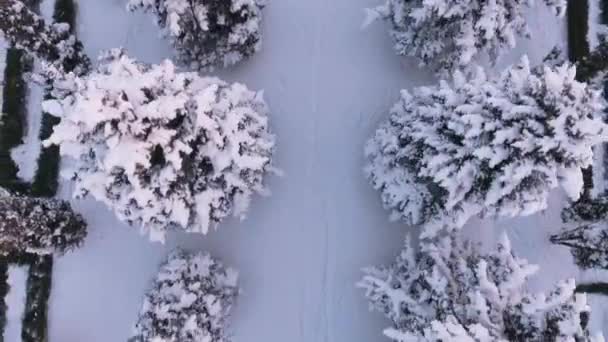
point(162, 148)
point(586, 232)
point(487, 146)
point(588, 243)
point(52, 44)
point(190, 301)
point(208, 33)
point(447, 34)
point(449, 291)
point(39, 225)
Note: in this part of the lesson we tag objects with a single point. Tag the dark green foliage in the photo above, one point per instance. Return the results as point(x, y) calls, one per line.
point(578, 50)
point(12, 121)
point(65, 12)
point(595, 209)
point(46, 179)
point(36, 305)
point(600, 288)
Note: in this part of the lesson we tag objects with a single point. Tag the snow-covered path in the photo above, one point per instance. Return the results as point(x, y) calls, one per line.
point(300, 251)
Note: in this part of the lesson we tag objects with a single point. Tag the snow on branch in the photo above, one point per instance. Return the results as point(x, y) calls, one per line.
point(449, 291)
point(52, 44)
point(163, 149)
point(190, 301)
point(447, 35)
point(485, 146)
point(208, 33)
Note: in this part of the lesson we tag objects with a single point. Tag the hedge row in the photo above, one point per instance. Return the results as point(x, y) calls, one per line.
point(45, 184)
point(12, 119)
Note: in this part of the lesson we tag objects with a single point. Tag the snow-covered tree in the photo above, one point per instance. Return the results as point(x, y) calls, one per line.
point(449, 291)
point(208, 33)
point(39, 225)
point(487, 146)
point(447, 34)
point(190, 301)
point(586, 232)
point(588, 244)
point(52, 44)
point(162, 148)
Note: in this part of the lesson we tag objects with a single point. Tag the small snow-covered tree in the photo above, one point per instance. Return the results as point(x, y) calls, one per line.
point(488, 146)
point(208, 33)
point(586, 232)
point(52, 44)
point(190, 301)
point(39, 225)
point(447, 34)
point(449, 291)
point(588, 244)
point(162, 148)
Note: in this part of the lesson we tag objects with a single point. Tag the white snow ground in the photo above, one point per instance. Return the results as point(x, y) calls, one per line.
point(15, 301)
point(300, 251)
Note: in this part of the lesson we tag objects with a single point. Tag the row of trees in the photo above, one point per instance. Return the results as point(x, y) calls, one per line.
point(483, 146)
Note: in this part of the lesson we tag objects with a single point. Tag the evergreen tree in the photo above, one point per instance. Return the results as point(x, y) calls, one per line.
point(447, 34)
point(208, 33)
point(52, 44)
point(190, 301)
point(449, 291)
point(586, 232)
point(163, 149)
point(39, 225)
point(588, 244)
point(485, 146)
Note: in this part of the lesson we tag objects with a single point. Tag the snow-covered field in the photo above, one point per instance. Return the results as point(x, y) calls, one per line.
point(300, 251)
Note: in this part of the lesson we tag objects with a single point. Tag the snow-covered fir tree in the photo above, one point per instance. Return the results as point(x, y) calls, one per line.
point(449, 291)
point(586, 232)
point(488, 146)
point(162, 148)
point(588, 244)
point(447, 34)
point(208, 33)
point(190, 301)
point(39, 225)
point(51, 44)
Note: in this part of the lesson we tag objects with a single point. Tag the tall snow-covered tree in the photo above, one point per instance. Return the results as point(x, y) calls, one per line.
point(190, 301)
point(39, 225)
point(162, 148)
point(447, 34)
point(485, 146)
point(449, 291)
point(208, 33)
point(51, 44)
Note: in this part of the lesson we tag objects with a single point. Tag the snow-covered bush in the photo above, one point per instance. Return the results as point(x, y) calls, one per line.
point(52, 44)
point(488, 146)
point(190, 301)
point(162, 148)
point(448, 34)
point(208, 33)
point(449, 291)
point(39, 225)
